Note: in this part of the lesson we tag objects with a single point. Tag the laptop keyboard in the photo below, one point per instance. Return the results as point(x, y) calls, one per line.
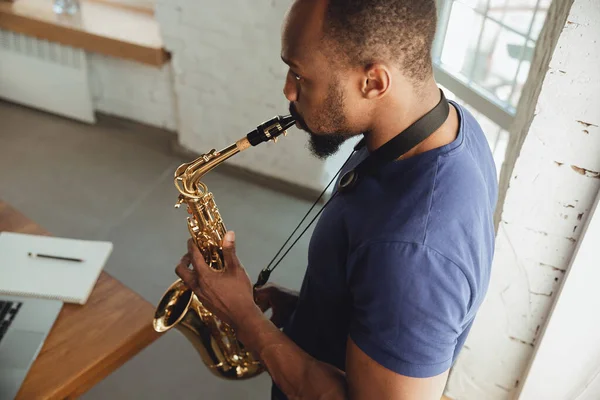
point(8, 312)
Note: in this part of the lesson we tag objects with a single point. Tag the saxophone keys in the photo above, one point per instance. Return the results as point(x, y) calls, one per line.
point(210, 155)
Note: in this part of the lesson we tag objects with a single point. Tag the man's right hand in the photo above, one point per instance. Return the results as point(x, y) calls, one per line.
point(281, 300)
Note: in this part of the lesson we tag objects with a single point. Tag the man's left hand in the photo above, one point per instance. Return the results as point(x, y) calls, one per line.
point(226, 293)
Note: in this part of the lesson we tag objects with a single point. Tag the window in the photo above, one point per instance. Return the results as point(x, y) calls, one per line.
point(482, 55)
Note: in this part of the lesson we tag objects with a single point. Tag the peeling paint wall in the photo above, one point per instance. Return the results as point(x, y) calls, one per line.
point(555, 152)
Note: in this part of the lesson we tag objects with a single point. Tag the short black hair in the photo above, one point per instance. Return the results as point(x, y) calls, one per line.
point(400, 31)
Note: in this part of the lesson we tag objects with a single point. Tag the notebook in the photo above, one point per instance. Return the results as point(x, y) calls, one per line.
point(50, 267)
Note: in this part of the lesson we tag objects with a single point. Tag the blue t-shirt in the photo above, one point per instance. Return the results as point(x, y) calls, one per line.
point(401, 263)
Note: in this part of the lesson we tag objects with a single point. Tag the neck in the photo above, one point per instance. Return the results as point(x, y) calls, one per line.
point(400, 112)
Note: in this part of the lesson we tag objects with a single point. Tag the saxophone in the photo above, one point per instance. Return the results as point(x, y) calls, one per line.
point(179, 307)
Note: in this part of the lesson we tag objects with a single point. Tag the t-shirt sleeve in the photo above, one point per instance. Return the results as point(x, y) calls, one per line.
point(409, 306)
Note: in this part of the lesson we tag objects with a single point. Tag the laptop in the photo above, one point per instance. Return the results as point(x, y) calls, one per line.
point(24, 325)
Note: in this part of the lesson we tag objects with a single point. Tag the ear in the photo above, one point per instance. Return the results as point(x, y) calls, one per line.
point(377, 81)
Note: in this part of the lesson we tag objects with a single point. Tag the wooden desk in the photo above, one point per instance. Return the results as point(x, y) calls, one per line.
point(89, 341)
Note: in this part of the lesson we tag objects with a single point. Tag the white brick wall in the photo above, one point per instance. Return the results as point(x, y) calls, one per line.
point(229, 78)
point(552, 187)
point(132, 90)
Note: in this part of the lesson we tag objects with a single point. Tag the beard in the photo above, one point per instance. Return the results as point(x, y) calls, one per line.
point(324, 146)
point(333, 131)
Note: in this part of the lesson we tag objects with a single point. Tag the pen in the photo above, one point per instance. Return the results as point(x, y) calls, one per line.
point(55, 257)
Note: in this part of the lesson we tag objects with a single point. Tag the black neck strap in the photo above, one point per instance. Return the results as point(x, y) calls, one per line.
point(398, 145)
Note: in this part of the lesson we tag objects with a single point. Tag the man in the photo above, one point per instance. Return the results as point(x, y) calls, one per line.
point(399, 266)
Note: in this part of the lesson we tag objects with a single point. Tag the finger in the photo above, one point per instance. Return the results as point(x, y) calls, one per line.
point(196, 257)
point(263, 305)
point(264, 291)
point(262, 302)
point(229, 248)
point(262, 298)
point(187, 276)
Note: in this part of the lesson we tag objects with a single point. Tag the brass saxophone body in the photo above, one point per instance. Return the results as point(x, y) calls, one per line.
point(179, 307)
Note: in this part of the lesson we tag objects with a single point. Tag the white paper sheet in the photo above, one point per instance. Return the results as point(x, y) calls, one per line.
point(69, 281)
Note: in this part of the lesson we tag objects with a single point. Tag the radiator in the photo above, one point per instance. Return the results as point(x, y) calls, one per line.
point(45, 75)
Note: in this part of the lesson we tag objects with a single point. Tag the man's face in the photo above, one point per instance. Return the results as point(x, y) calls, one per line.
point(320, 97)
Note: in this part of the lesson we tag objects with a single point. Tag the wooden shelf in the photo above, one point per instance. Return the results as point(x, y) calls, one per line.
point(99, 27)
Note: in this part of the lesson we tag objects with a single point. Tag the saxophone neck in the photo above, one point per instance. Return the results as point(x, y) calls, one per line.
point(188, 175)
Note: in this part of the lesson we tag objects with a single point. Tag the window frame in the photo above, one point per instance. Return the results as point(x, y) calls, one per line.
point(503, 114)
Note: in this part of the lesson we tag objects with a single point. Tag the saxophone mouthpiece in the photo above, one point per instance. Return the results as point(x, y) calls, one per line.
point(270, 129)
point(287, 122)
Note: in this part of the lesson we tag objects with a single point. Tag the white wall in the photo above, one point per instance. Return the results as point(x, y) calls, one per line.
point(573, 333)
point(552, 188)
point(229, 78)
point(572, 337)
point(132, 90)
